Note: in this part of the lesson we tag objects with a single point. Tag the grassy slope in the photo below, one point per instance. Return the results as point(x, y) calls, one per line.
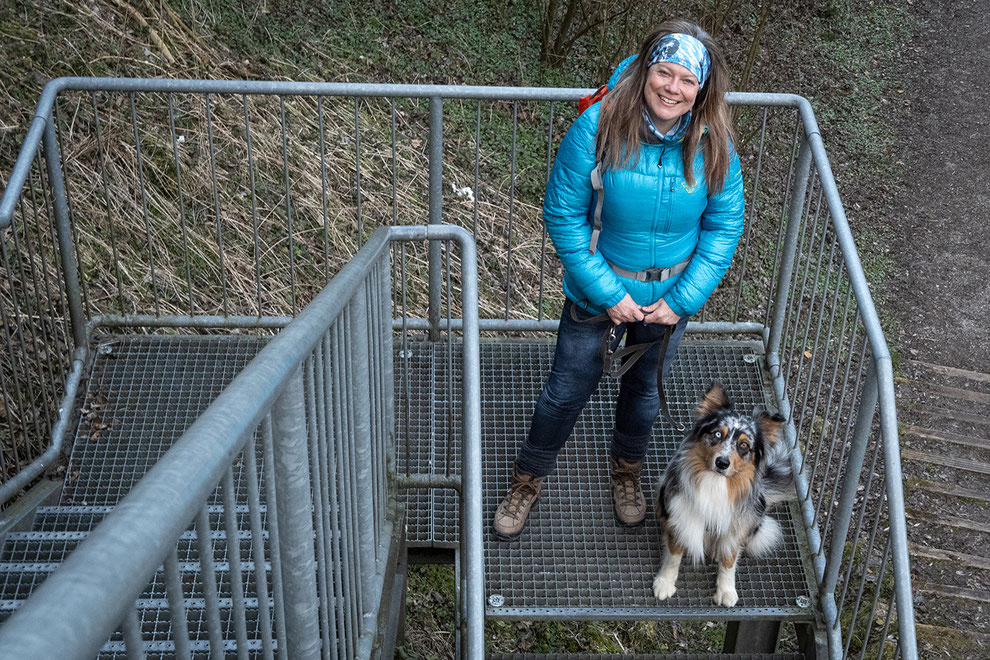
point(838, 56)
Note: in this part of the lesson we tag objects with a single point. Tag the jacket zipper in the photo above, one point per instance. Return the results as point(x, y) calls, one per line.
point(660, 189)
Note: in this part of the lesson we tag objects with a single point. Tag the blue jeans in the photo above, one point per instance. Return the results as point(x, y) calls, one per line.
point(574, 376)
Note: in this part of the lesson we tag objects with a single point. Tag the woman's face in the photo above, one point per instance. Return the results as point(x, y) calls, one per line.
point(670, 92)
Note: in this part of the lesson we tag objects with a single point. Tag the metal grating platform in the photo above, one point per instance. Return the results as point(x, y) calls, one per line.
point(144, 391)
point(573, 561)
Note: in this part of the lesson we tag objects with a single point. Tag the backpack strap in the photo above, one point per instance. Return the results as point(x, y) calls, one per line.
point(596, 227)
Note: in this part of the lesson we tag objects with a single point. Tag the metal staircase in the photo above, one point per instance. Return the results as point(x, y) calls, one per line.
point(385, 413)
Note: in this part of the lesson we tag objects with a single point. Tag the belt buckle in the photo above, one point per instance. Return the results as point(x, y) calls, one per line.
point(653, 273)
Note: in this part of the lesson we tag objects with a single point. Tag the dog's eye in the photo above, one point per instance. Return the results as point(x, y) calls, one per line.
point(718, 435)
point(743, 446)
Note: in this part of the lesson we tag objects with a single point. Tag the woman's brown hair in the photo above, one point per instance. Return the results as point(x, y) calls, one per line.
point(621, 116)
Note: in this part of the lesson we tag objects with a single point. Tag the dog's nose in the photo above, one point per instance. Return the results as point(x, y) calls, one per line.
point(721, 462)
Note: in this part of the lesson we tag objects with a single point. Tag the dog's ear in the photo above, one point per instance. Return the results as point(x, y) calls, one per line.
point(715, 399)
point(770, 426)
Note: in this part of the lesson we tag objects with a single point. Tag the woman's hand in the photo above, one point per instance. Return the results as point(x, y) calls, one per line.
point(625, 311)
point(659, 312)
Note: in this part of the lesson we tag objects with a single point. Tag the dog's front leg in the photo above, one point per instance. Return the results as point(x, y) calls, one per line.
point(725, 584)
point(663, 583)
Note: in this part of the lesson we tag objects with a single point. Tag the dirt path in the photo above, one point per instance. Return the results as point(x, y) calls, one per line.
point(941, 298)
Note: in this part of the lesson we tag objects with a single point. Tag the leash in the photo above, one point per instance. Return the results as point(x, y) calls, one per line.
point(618, 361)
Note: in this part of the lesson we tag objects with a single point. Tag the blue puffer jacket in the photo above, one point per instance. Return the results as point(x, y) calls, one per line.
point(650, 218)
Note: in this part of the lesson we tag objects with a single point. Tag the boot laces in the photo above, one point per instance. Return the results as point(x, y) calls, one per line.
point(519, 494)
point(628, 481)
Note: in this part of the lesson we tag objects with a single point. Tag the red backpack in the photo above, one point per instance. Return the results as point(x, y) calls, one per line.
point(586, 102)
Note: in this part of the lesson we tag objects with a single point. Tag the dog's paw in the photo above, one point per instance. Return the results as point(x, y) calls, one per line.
point(726, 597)
point(663, 588)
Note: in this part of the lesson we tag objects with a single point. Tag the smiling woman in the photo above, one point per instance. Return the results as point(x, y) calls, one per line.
point(644, 206)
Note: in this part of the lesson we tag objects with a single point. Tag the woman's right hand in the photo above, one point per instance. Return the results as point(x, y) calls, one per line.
point(625, 311)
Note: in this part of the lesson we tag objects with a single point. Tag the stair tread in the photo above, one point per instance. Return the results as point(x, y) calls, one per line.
point(652, 656)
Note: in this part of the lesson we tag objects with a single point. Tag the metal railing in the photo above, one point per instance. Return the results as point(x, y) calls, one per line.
point(307, 426)
point(234, 202)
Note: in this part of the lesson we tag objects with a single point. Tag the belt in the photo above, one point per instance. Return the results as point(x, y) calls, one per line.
point(650, 274)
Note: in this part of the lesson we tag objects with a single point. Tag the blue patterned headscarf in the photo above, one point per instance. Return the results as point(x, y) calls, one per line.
point(683, 49)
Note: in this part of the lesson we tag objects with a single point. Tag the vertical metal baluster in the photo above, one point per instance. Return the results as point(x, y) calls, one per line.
point(751, 220)
point(254, 203)
point(449, 412)
point(840, 602)
point(512, 199)
point(131, 629)
point(313, 432)
point(783, 216)
point(22, 342)
point(477, 161)
point(274, 537)
point(43, 366)
point(345, 623)
point(238, 614)
point(406, 389)
point(331, 580)
point(182, 203)
point(144, 203)
point(838, 356)
point(795, 301)
point(68, 202)
point(356, 351)
point(436, 210)
point(63, 232)
point(543, 229)
point(60, 284)
point(294, 503)
point(348, 489)
point(323, 187)
point(357, 169)
point(176, 606)
point(47, 274)
point(788, 256)
point(862, 366)
point(106, 204)
point(15, 447)
point(876, 600)
point(208, 578)
point(288, 207)
point(795, 348)
point(891, 605)
point(258, 547)
point(850, 482)
point(819, 352)
point(216, 205)
point(835, 425)
point(395, 170)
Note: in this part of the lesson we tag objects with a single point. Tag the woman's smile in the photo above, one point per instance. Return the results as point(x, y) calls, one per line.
point(670, 92)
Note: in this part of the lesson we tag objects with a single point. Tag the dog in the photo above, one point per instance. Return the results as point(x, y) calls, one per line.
point(713, 497)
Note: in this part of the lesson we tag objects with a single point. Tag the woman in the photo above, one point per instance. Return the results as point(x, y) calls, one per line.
point(671, 216)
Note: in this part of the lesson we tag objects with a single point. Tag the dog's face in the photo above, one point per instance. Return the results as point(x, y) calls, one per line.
point(727, 442)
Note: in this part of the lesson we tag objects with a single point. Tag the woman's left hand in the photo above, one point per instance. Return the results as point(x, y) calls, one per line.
point(660, 312)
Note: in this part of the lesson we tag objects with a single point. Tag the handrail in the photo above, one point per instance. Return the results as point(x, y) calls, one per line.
point(812, 152)
point(86, 598)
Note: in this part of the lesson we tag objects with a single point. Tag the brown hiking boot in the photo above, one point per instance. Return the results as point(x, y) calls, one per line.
point(510, 518)
point(628, 502)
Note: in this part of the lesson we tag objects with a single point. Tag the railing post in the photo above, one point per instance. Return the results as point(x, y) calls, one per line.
point(436, 211)
point(295, 521)
point(63, 229)
point(788, 254)
point(847, 499)
point(359, 397)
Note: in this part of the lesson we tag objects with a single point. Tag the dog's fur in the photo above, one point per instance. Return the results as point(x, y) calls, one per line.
point(713, 497)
